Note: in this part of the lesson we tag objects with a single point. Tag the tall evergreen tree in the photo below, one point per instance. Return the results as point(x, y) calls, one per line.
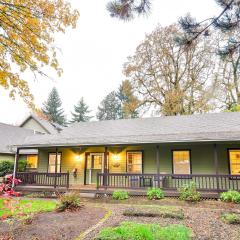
point(110, 107)
point(129, 102)
point(52, 108)
point(81, 111)
point(226, 21)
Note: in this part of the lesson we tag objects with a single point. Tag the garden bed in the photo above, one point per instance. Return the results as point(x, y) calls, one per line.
point(204, 219)
point(53, 225)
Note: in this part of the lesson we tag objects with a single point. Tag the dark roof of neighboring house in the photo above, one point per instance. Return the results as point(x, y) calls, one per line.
point(12, 135)
point(48, 126)
point(192, 128)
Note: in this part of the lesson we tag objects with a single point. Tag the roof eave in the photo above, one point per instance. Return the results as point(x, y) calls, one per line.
point(124, 143)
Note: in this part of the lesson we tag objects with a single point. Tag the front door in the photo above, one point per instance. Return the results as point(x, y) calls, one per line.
point(94, 165)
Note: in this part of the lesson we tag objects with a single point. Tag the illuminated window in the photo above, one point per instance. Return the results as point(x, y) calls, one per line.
point(234, 157)
point(52, 160)
point(134, 162)
point(32, 161)
point(181, 162)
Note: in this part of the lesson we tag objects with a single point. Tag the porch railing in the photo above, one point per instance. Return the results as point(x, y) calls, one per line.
point(204, 182)
point(44, 179)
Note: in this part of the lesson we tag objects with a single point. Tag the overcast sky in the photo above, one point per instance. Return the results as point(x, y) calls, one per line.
point(93, 54)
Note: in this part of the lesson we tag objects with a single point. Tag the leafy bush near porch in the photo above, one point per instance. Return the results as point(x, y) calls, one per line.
point(154, 211)
point(155, 193)
point(230, 196)
point(231, 218)
point(137, 231)
point(189, 192)
point(120, 195)
point(6, 167)
point(69, 201)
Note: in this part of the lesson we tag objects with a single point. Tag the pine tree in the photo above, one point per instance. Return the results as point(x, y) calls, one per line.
point(227, 22)
point(52, 108)
point(81, 111)
point(110, 107)
point(128, 9)
point(129, 102)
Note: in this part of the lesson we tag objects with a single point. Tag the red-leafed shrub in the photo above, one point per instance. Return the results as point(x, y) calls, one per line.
point(6, 188)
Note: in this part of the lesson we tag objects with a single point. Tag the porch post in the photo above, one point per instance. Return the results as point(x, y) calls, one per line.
point(56, 163)
point(158, 165)
point(216, 165)
point(105, 169)
point(15, 166)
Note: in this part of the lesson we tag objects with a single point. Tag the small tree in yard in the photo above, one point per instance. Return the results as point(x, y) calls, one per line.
point(81, 111)
point(52, 108)
point(6, 188)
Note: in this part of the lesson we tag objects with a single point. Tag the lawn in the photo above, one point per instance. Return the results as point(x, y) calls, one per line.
point(137, 231)
point(25, 206)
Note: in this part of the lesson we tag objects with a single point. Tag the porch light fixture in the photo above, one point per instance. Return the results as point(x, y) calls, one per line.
point(116, 160)
point(78, 158)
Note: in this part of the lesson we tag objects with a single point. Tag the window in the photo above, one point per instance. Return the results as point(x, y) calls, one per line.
point(51, 162)
point(234, 158)
point(181, 162)
point(134, 162)
point(32, 161)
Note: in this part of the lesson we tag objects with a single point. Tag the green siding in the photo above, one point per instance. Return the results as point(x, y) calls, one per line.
point(10, 157)
point(34, 125)
point(202, 158)
point(7, 157)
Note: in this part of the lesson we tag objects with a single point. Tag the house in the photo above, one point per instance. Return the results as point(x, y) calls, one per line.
point(40, 125)
point(13, 135)
point(10, 135)
point(164, 152)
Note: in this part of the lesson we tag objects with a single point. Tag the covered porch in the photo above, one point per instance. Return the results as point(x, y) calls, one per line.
point(214, 167)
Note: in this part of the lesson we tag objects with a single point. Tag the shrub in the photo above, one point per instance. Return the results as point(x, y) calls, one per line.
point(6, 187)
point(22, 165)
point(137, 231)
point(155, 193)
point(231, 218)
point(6, 167)
point(230, 196)
point(69, 201)
point(120, 195)
point(189, 193)
point(154, 211)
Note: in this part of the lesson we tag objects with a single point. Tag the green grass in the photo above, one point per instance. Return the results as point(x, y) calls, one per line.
point(137, 231)
point(154, 211)
point(26, 206)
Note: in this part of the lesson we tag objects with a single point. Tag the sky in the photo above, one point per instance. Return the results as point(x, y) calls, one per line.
point(93, 54)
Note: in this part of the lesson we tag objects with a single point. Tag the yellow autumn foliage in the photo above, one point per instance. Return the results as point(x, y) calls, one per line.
point(27, 30)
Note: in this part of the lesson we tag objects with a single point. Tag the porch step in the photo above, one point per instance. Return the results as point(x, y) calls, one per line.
point(87, 195)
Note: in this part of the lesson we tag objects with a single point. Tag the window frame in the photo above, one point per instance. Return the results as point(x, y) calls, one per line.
point(33, 168)
point(190, 161)
point(135, 151)
point(60, 170)
point(229, 161)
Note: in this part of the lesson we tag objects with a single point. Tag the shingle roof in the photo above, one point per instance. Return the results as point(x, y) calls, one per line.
point(191, 128)
point(12, 135)
point(47, 125)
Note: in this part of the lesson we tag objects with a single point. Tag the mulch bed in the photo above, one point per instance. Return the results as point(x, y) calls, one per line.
point(203, 218)
point(54, 226)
